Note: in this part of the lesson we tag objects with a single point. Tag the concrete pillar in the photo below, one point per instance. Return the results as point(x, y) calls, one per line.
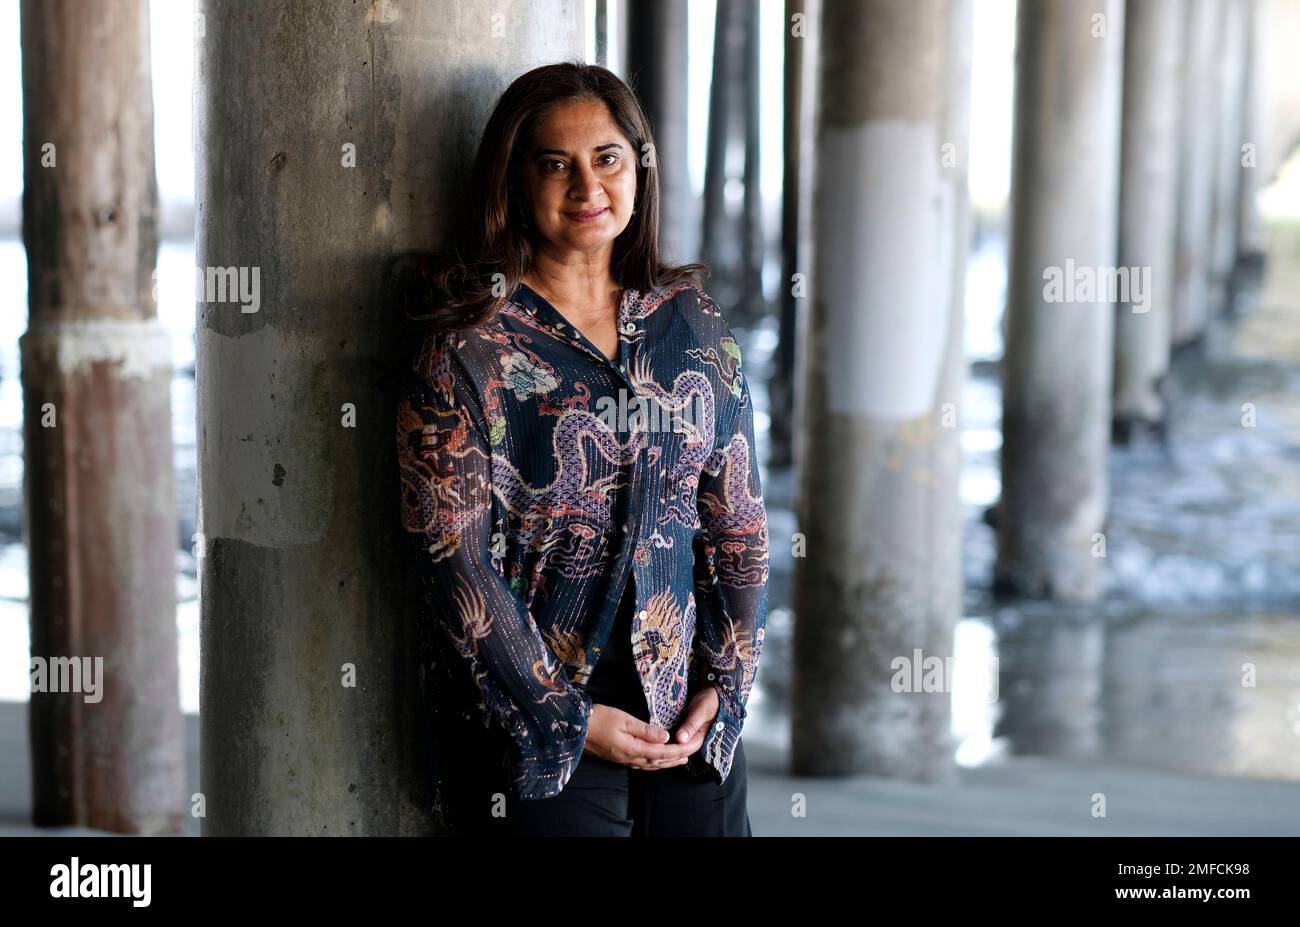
point(1148, 207)
point(602, 33)
point(330, 137)
point(797, 137)
point(878, 582)
point(1250, 235)
point(1197, 172)
point(100, 519)
point(1057, 365)
point(1227, 154)
point(721, 244)
point(753, 240)
point(657, 66)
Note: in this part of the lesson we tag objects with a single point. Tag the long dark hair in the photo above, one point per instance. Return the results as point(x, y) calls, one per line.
point(465, 285)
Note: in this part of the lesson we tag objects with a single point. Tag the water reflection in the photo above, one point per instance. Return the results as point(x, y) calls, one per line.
point(1210, 693)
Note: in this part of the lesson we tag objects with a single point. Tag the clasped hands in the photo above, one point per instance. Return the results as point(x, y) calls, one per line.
point(619, 737)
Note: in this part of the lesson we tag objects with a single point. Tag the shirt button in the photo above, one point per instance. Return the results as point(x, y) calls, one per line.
point(711, 676)
point(644, 615)
point(719, 726)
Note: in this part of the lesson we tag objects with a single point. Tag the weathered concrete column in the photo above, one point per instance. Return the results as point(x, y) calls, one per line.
point(878, 582)
point(1060, 322)
point(657, 66)
point(1148, 208)
point(1197, 172)
point(330, 136)
point(1227, 154)
point(96, 376)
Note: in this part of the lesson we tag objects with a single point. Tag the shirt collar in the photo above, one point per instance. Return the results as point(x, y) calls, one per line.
point(548, 316)
point(541, 309)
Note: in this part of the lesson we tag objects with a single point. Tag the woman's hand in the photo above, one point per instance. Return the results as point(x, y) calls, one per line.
point(619, 737)
point(700, 712)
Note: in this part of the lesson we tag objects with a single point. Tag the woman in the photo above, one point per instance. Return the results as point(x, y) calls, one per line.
point(581, 493)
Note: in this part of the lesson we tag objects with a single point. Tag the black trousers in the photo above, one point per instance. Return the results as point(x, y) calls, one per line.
point(602, 798)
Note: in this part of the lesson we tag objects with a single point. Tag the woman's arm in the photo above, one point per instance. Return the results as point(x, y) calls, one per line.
point(731, 567)
point(446, 472)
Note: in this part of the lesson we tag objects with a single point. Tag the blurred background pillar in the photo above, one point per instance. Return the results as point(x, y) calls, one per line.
point(1250, 234)
point(99, 492)
point(797, 143)
point(731, 239)
point(1148, 208)
point(1059, 348)
point(1227, 153)
point(330, 138)
point(880, 578)
point(657, 71)
point(1197, 171)
point(602, 33)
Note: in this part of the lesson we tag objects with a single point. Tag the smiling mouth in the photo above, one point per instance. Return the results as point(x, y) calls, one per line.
point(588, 214)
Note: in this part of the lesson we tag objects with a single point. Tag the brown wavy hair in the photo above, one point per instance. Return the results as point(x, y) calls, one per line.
point(460, 287)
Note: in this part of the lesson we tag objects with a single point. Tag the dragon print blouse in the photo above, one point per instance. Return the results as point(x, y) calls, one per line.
point(538, 477)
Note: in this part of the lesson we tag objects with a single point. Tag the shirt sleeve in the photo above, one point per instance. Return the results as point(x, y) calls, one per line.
point(445, 460)
point(731, 570)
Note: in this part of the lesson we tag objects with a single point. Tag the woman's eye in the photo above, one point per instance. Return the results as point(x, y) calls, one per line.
point(551, 164)
point(613, 159)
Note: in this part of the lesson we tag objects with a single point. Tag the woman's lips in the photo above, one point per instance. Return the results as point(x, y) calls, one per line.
point(587, 215)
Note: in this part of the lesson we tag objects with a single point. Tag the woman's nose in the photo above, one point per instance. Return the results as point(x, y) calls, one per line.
point(585, 184)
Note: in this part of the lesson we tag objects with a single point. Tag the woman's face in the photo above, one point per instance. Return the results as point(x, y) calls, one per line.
point(579, 182)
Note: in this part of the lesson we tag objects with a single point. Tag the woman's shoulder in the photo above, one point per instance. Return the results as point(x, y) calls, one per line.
point(701, 313)
point(697, 300)
point(470, 346)
point(711, 331)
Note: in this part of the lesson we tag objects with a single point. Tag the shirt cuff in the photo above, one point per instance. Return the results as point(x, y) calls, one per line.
point(714, 757)
point(543, 773)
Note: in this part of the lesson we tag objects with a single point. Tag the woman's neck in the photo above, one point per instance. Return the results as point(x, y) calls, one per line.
point(582, 294)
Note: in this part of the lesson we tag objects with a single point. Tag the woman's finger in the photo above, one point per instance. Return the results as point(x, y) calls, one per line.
point(659, 764)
